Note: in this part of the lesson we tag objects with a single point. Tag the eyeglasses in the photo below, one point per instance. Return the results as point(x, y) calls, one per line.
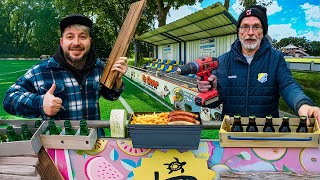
point(255, 28)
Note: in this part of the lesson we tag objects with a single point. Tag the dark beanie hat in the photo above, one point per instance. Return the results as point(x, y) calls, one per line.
point(257, 11)
point(75, 19)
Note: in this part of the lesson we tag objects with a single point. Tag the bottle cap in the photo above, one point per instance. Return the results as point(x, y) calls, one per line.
point(237, 116)
point(269, 117)
point(303, 117)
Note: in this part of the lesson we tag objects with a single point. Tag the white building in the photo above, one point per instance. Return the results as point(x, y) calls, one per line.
point(292, 50)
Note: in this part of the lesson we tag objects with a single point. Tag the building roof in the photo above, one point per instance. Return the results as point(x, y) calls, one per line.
point(212, 21)
point(290, 46)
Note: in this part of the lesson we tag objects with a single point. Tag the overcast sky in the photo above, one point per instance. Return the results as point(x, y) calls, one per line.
point(296, 18)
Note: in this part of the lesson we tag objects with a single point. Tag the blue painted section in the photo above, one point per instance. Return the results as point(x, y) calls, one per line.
point(217, 154)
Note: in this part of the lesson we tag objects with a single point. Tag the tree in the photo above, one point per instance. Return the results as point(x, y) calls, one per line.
point(46, 33)
point(314, 48)
point(311, 48)
point(163, 7)
point(7, 33)
point(226, 4)
point(248, 3)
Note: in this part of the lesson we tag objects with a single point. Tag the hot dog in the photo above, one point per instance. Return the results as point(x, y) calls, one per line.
point(184, 118)
point(180, 123)
point(184, 113)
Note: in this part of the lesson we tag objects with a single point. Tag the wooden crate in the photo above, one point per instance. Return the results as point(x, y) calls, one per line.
point(269, 139)
point(62, 141)
point(29, 147)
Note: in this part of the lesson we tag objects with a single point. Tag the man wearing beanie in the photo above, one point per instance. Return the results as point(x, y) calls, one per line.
point(252, 75)
point(67, 85)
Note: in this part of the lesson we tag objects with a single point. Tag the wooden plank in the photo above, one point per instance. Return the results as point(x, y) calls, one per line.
point(18, 170)
point(46, 167)
point(122, 42)
point(267, 175)
point(123, 34)
point(30, 161)
point(17, 177)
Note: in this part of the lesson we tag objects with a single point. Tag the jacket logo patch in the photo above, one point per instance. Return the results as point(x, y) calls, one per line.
point(263, 77)
point(232, 77)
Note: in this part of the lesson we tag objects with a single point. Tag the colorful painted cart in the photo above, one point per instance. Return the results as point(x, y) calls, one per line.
point(117, 159)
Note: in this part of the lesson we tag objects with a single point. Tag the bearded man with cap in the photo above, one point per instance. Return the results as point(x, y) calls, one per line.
point(66, 86)
point(252, 75)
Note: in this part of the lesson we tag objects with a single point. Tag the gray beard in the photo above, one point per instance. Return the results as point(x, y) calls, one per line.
point(250, 47)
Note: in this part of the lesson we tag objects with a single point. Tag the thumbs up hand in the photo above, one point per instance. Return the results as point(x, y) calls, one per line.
point(51, 104)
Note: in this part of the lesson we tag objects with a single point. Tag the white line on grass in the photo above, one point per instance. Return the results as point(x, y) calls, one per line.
point(13, 72)
point(154, 97)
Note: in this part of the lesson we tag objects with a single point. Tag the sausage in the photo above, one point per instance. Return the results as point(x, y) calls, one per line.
point(184, 118)
point(180, 123)
point(175, 111)
point(184, 113)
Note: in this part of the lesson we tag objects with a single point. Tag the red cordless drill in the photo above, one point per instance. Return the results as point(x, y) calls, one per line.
point(202, 68)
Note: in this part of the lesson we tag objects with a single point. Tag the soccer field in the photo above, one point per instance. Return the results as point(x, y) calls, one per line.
point(10, 71)
point(306, 60)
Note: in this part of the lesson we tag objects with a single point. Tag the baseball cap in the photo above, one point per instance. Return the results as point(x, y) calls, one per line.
point(75, 19)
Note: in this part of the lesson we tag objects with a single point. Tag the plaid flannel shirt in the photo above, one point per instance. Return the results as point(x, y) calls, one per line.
point(25, 97)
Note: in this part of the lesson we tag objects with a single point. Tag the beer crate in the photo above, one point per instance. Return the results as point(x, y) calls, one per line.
point(63, 141)
point(269, 139)
point(26, 147)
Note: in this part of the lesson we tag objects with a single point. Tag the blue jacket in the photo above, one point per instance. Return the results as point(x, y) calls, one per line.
point(255, 89)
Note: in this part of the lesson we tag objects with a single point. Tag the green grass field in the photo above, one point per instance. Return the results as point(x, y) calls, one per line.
point(10, 72)
point(310, 83)
point(306, 60)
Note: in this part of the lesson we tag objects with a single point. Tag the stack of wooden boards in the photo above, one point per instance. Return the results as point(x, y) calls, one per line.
point(29, 167)
point(19, 167)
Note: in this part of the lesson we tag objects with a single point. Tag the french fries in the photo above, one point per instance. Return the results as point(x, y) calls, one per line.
point(155, 118)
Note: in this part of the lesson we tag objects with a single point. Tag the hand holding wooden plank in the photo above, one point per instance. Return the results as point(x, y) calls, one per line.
point(122, 43)
point(120, 68)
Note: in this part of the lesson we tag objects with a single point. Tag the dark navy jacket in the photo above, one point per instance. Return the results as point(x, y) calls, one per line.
point(255, 89)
